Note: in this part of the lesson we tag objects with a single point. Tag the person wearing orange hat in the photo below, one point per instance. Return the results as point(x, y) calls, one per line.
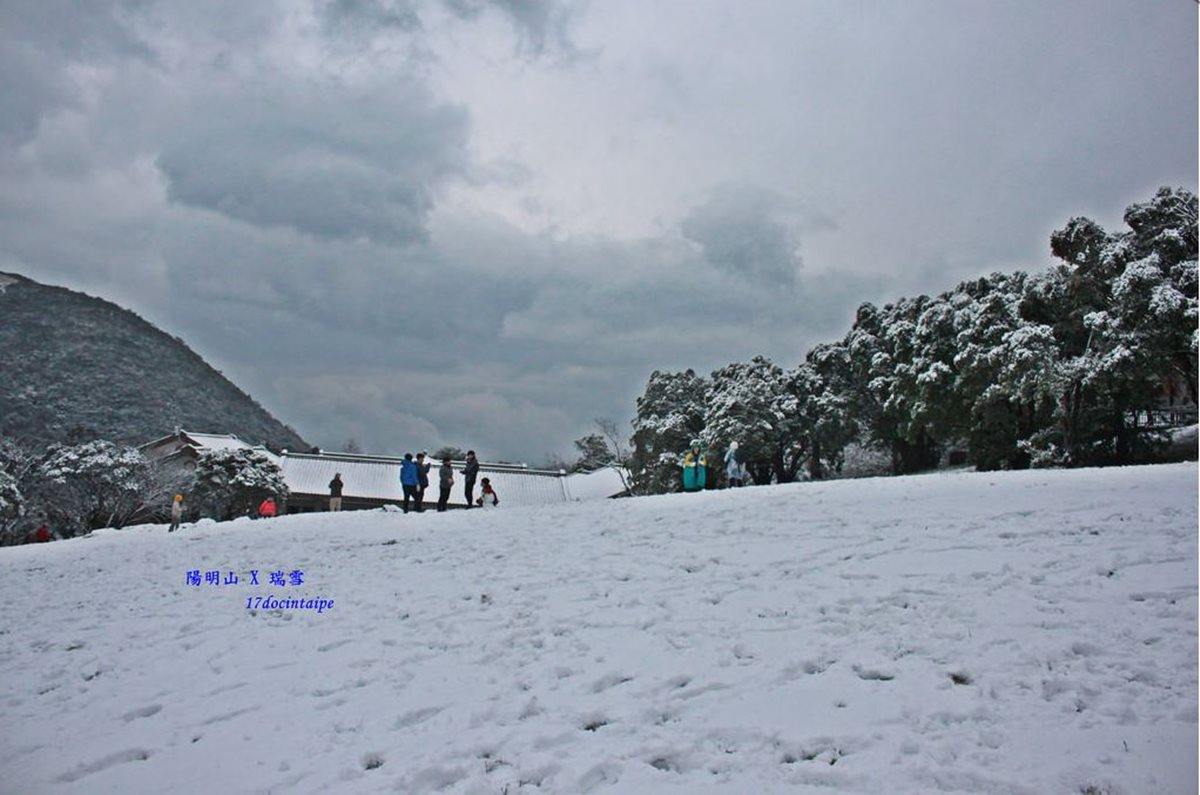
point(176, 513)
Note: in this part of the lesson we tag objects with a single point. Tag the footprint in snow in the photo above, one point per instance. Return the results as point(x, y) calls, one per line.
point(874, 674)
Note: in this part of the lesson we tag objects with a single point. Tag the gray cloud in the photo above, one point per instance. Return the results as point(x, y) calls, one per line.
point(753, 232)
point(265, 158)
point(37, 42)
point(362, 18)
point(541, 25)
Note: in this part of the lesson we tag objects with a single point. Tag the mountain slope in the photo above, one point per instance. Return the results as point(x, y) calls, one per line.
point(1019, 632)
point(76, 366)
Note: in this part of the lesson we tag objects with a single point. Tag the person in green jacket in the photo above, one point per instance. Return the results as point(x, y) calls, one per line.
point(695, 467)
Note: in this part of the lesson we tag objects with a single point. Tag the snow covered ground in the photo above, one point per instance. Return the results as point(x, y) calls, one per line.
point(1031, 632)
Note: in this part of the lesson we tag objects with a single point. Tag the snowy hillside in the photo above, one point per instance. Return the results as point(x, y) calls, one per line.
point(1030, 632)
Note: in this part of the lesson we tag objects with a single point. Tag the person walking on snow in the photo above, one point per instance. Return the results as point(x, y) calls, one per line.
point(695, 467)
point(470, 470)
point(176, 513)
point(488, 498)
point(267, 508)
point(410, 481)
point(335, 492)
point(733, 467)
point(445, 481)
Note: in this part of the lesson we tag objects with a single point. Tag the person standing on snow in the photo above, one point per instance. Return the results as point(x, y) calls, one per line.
point(469, 472)
point(176, 513)
point(410, 480)
point(335, 492)
point(423, 468)
point(733, 467)
point(695, 467)
point(445, 481)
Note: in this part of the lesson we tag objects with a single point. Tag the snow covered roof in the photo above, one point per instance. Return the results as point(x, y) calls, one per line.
point(197, 443)
point(378, 478)
point(216, 441)
point(601, 484)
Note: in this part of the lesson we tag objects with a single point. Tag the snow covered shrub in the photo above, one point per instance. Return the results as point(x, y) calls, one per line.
point(865, 461)
point(12, 508)
point(231, 483)
point(84, 487)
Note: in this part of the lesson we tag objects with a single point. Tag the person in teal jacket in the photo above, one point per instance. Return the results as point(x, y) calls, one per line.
point(695, 467)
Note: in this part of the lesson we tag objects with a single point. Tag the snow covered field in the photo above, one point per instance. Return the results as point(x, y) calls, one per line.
point(1029, 632)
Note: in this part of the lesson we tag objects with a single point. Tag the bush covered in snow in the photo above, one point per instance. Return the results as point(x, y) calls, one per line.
point(231, 483)
point(79, 488)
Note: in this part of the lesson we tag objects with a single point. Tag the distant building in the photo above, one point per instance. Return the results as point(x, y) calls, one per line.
point(182, 448)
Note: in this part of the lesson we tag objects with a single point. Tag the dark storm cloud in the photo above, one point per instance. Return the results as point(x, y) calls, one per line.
point(288, 155)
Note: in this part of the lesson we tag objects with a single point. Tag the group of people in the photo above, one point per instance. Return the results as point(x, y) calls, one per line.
point(695, 466)
point(414, 479)
point(267, 509)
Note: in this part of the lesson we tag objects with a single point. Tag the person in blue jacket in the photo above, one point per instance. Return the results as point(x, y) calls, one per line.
point(410, 480)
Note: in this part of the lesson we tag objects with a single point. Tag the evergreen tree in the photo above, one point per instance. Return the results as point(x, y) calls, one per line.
point(754, 405)
point(231, 483)
point(12, 508)
point(669, 415)
point(594, 453)
point(81, 488)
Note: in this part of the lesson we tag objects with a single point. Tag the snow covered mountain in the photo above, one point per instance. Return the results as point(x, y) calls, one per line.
point(1026, 632)
point(78, 366)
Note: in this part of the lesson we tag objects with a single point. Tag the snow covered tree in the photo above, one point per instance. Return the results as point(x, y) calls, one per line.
point(84, 487)
point(756, 405)
point(18, 466)
point(823, 415)
point(12, 509)
point(872, 378)
point(594, 453)
point(231, 483)
point(1123, 310)
point(449, 451)
point(669, 415)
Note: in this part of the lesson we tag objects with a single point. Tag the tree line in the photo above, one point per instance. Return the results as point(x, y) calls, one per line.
point(76, 488)
point(1081, 364)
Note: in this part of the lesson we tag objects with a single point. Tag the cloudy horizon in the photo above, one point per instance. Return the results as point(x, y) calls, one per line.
point(484, 223)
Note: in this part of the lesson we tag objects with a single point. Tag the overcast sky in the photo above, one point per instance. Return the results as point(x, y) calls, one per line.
point(485, 222)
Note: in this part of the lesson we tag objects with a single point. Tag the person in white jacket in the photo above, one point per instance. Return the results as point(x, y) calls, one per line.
point(733, 468)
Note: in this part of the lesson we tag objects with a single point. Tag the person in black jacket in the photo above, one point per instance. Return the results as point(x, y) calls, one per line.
point(423, 468)
point(335, 492)
point(469, 473)
point(445, 481)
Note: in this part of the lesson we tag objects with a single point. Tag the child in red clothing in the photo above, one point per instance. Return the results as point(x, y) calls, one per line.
point(488, 499)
